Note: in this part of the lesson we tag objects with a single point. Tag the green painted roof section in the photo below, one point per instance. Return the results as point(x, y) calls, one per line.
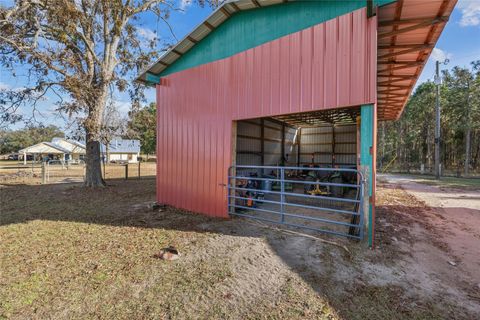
point(251, 28)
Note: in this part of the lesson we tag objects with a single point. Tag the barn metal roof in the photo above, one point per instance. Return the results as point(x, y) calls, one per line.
point(220, 15)
point(408, 31)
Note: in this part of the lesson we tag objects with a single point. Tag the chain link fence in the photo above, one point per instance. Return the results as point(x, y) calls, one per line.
point(57, 171)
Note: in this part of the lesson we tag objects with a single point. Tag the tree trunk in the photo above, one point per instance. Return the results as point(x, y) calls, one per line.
point(93, 173)
point(467, 150)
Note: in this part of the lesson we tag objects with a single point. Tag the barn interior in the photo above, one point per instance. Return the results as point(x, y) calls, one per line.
point(318, 151)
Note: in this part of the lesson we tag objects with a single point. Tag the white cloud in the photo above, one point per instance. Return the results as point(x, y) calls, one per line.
point(470, 10)
point(146, 34)
point(440, 55)
point(123, 107)
point(184, 4)
point(4, 86)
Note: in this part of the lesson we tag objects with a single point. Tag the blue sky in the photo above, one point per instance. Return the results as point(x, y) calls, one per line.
point(459, 42)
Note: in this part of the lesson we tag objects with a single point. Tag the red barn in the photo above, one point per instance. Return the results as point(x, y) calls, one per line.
point(269, 108)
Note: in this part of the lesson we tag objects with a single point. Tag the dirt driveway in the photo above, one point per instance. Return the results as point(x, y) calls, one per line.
point(455, 215)
point(67, 252)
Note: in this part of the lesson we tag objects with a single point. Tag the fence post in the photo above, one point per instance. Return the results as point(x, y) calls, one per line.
point(139, 169)
point(44, 173)
point(126, 171)
point(282, 193)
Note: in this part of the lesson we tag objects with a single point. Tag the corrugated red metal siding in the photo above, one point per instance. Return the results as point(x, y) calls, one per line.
point(330, 65)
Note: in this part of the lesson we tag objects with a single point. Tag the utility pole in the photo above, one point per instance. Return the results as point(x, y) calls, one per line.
point(437, 120)
point(468, 132)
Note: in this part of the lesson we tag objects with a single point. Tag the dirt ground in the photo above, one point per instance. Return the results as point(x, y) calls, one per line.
point(67, 252)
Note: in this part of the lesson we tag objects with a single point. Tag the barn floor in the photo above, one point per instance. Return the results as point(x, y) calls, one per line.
point(67, 252)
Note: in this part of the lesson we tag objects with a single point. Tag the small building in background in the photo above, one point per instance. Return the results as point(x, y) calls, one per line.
point(119, 150)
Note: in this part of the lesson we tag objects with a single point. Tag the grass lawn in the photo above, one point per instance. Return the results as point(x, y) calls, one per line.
point(69, 252)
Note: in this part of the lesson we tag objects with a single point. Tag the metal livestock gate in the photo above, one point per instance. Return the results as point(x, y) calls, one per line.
point(289, 207)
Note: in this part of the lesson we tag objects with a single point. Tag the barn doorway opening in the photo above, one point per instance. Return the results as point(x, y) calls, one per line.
point(300, 170)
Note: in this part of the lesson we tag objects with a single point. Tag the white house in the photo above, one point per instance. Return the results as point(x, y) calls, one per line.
point(68, 150)
point(60, 148)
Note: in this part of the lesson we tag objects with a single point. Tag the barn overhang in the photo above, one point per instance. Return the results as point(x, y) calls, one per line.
point(407, 33)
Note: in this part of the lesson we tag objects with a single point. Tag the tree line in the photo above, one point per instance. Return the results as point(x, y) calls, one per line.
point(13, 140)
point(407, 144)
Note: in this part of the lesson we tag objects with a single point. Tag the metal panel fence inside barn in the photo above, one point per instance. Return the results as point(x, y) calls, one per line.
point(283, 98)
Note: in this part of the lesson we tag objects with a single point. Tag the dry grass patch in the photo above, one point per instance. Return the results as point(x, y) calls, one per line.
point(70, 252)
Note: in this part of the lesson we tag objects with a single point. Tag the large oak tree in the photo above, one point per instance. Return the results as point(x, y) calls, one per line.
point(81, 50)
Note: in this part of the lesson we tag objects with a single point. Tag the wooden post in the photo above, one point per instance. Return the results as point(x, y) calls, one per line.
point(139, 169)
point(44, 173)
point(126, 171)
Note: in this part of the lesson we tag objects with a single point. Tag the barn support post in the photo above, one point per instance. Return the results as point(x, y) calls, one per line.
point(282, 160)
point(233, 172)
point(262, 143)
point(299, 140)
point(367, 135)
point(333, 146)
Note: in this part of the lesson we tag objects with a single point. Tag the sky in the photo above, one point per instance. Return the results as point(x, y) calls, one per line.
point(459, 42)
